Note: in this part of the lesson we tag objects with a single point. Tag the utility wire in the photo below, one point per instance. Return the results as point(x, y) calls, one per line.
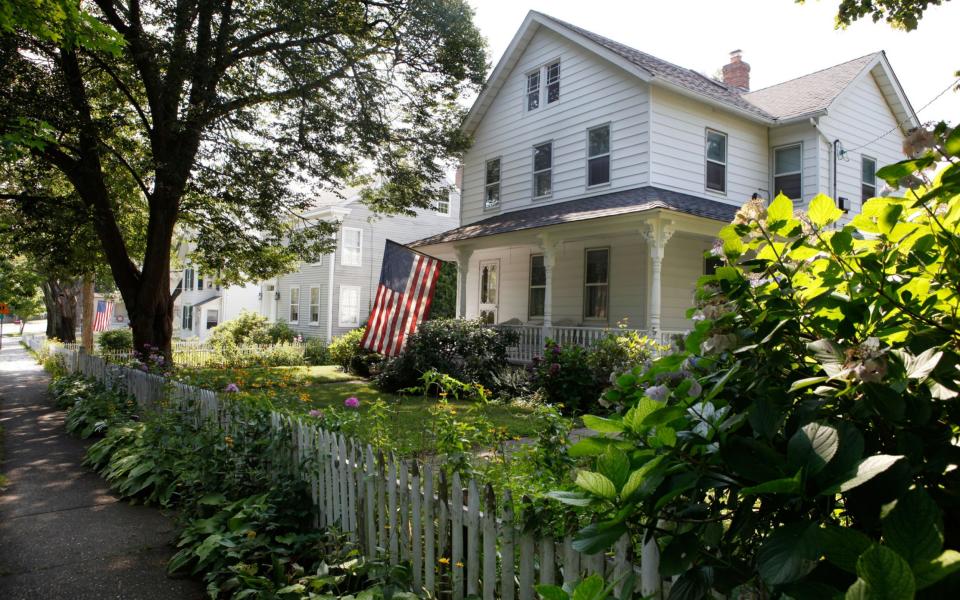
point(901, 123)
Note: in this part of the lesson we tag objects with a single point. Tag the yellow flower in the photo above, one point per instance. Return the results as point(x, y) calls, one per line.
point(304, 396)
point(251, 534)
point(459, 565)
point(443, 560)
point(229, 441)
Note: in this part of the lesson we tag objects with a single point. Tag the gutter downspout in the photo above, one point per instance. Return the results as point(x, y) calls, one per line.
point(833, 166)
point(333, 262)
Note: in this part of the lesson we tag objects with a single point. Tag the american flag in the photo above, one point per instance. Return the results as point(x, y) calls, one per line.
point(407, 282)
point(101, 318)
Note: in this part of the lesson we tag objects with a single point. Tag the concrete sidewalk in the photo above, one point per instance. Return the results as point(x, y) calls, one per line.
point(62, 533)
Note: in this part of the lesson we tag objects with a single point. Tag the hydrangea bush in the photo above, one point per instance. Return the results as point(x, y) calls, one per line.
point(805, 442)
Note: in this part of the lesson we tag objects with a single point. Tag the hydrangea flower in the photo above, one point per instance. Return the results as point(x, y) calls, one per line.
point(352, 402)
point(554, 368)
point(231, 388)
point(315, 413)
point(657, 392)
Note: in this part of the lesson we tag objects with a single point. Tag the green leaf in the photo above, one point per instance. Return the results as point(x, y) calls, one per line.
point(663, 415)
point(694, 584)
point(929, 573)
point(571, 498)
point(888, 218)
point(591, 446)
point(952, 143)
point(781, 209)
point(885, 575)
point(638, 476)
point(823, 211)
point(806, 382)
point(552, 592)
point(892, 174)
point(590, 588)
point(842, 546)
point(920, 366)
point(914, 528)
point(865, 470)
point(841, 242)
point(596, 484)
point(789, 553)
point(212, 499)
point(615, 466)
point(812, 447)
point(786, 485)
point(602, 425)
point(732, 244)
point(598, 536)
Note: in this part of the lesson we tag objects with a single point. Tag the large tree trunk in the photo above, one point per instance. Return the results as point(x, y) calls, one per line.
point(86, 328)
point(60, 299)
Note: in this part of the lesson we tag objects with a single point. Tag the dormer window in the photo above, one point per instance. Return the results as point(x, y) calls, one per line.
point(549, 73)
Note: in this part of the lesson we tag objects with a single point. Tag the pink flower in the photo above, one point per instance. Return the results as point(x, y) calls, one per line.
point(315, 413)
point(231, 388)
point(352, 402)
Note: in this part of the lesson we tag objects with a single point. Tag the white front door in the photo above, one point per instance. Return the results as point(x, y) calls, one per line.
point(489, 290)
point(270, 303)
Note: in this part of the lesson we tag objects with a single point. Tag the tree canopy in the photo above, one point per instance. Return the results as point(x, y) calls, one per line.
point(901, 14)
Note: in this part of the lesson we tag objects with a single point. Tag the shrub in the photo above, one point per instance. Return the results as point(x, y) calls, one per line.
point(247, 328)
point(315, 352)
point(618, 352)
point(346, 352)
point(563, 377)
point(281, 333)
point(804, 438)
point(466, 350)
point(116, 340)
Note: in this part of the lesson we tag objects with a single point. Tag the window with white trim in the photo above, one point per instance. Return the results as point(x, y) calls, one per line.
point(442, 206)
point(868, 178)
point(542, 170)
point(186, 320)
point(716, 150)
point(596, 284)
point(533, 90)
point(314, 306)
point(213, 318)
point(349, 312)
point(294, 314)
point(553, 82)
point(538, 287)
point(200, 280)
point(188, 276)
point(788, 171)
point(491, 183)
point(598, 155)
point(351, 247)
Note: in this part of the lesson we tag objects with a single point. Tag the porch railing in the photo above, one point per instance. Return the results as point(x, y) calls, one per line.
point(532, 338)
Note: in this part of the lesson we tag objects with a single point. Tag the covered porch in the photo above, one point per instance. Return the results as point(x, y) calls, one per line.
point(574, 271)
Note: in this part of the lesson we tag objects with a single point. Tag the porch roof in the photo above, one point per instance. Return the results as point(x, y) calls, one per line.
point(582, 209)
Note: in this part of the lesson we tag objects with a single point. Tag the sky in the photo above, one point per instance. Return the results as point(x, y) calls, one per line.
point(779, 38)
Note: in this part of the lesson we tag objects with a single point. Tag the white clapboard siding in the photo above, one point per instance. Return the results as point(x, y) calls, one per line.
point(450, 533)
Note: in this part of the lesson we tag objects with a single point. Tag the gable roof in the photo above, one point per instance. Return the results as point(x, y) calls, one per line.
point(593, 207)
point(789, 101)
point(810, 93)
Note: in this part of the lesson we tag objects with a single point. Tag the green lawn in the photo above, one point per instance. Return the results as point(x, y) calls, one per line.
point(404, 424)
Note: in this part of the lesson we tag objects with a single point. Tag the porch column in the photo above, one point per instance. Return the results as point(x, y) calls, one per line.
point(657, 234)
point(549, 248)
point(463, 267)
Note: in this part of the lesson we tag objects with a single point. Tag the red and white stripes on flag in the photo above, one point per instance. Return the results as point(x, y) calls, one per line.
point(101, 318)
point(407, 282)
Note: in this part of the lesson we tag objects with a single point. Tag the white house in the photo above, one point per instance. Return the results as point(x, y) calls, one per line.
point(599, 175)
point(203, 303)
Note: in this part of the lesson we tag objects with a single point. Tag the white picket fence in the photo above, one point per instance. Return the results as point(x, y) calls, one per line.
point(456, 535)
point(195, 355)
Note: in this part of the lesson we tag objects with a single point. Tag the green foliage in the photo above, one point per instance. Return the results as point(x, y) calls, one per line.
point(20, 287)
point(315, 352)
point(281, 333)
point(565, 378)
point(900, 14)
point(249, 328)
point(435, 383)
point(91, 407)
point(619, 351)
point(803, 438)
point(346, 352)
point(444, 304)
point(116, 340)
point(591, 588)
point(463, 349)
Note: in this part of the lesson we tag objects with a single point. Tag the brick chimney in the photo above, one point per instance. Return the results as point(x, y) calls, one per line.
point(737, 73)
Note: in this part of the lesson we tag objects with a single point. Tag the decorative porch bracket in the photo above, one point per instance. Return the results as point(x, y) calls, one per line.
point(549, 248)
point(463, 267)
point(656, 233)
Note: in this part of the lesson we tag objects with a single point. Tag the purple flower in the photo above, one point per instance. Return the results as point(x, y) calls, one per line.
point(556, 350)
point(352, 402)
point(315, 413)
point(143, 368)
point(231, 388)
point(657, 392)
point(554, 368)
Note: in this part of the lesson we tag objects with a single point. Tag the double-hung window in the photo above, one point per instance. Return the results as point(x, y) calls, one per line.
point(349, 306)
point(542, 170)
point(314, 306)
point(213, 317)
point(598, 155)
point(294, 316)
point(716, 161)
point(200, 281)
point(597, 284)
point(868, 178)
point(788, 171)
point(442, 206)
point(533, 90)
point(491, 184)
point(187, 279)
point(538, 286)
point(186, 321)
point(351, 254)
point(553, 82)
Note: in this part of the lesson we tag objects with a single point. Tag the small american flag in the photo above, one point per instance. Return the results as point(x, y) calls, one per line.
point(407, 282)
point(101, 319)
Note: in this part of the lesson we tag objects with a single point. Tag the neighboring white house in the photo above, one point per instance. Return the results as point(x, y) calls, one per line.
point(334, 295)
point(202, 303)
point(599, 175)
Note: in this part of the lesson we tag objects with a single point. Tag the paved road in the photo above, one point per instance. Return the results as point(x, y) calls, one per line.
point(63, 535)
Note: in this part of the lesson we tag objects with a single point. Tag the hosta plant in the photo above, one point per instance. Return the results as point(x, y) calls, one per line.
point(805, 443)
